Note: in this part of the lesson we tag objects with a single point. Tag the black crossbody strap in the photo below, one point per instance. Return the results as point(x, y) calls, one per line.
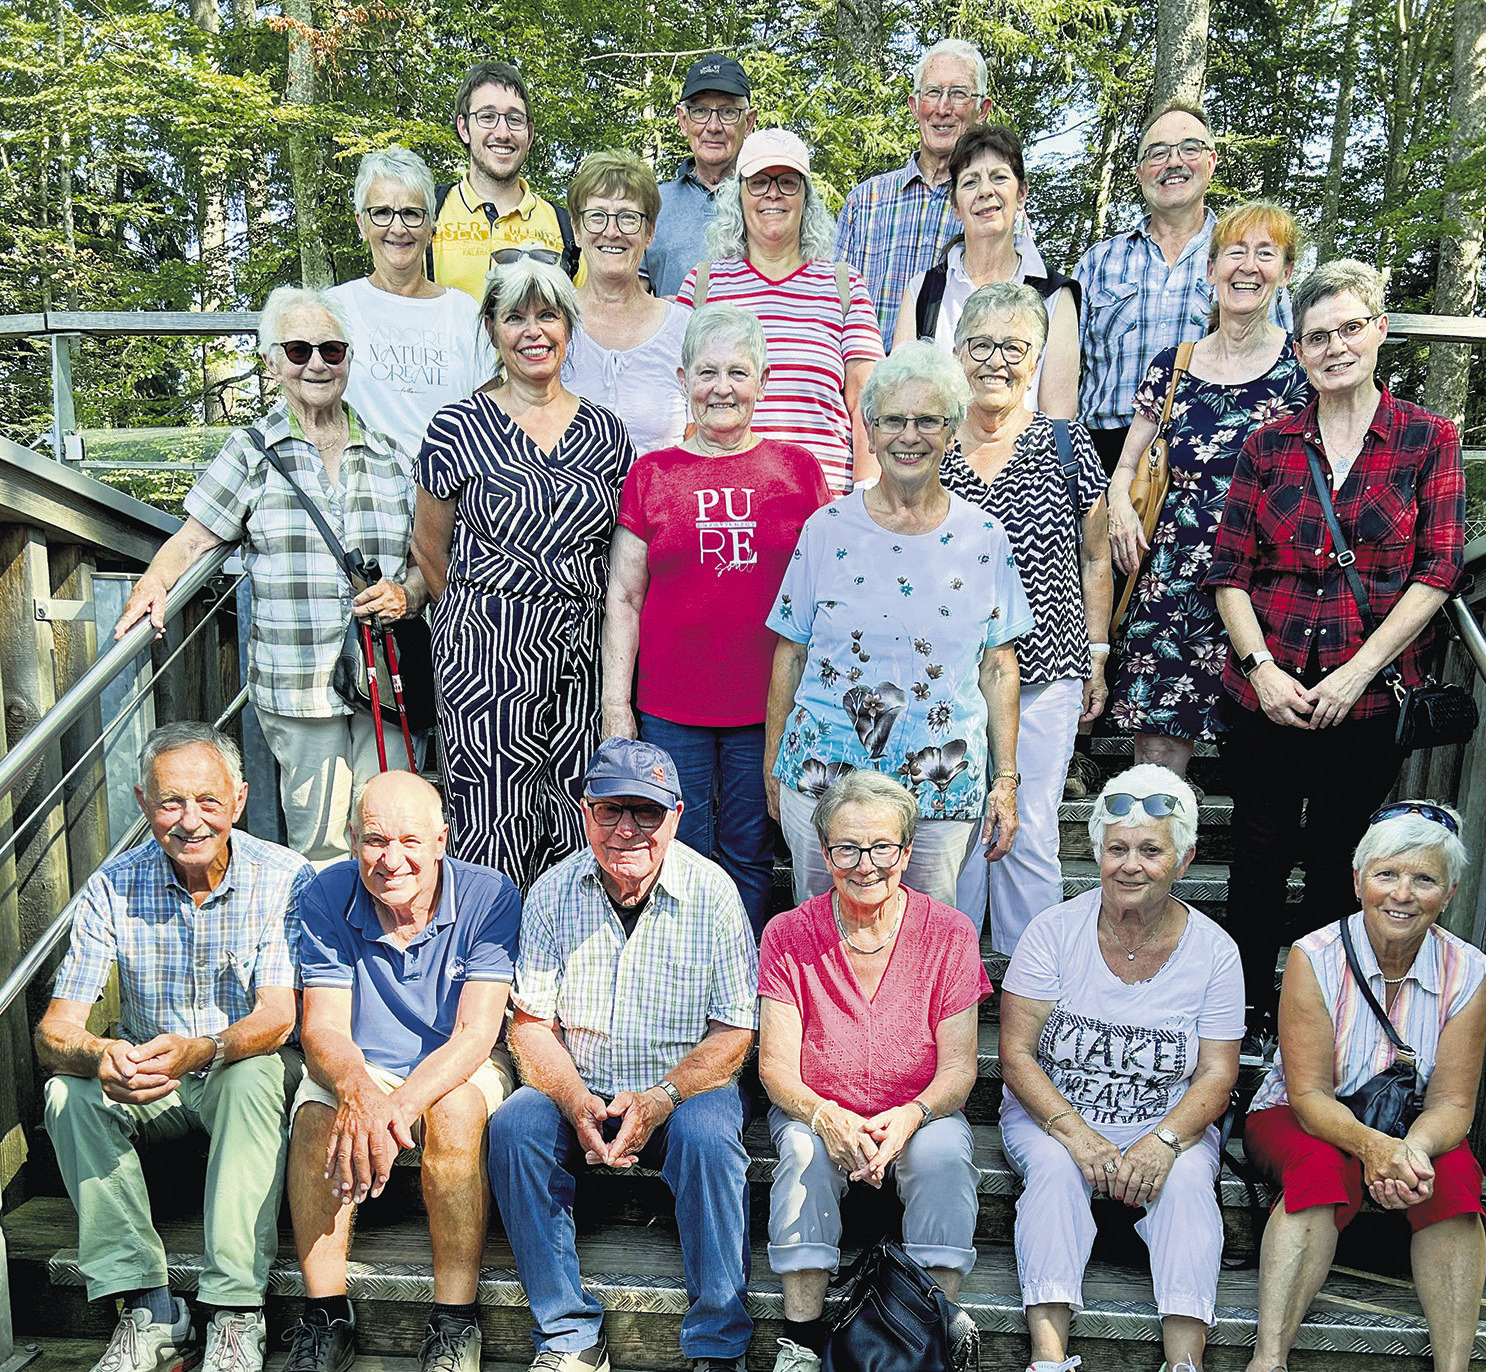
point(1403, 1049)
point(1068, 465)
point(352, 570)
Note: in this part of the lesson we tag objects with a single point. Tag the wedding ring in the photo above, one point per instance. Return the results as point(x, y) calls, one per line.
point(1111, 1167)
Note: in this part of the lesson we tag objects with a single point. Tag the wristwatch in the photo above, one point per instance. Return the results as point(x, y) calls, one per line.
point(220, 1045)
point(1007, 774)
point(1250, 664)
point(928, 1111)
point(1169, 1138)
point(669, 1087)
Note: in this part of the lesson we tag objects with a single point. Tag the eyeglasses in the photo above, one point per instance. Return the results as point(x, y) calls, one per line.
point(1316, 341)
point(1189, 150)
point(845, 856)
point(789, 183)
point(503, 257)
point(928, 425)
point(332, 351)
point(1157, 806)
point(1416, 807)
point(490, 118)
point(982, 348)
point(956, 95)
point(414, 216)
point(596, 221)
point(646, 817)
point(727, 115)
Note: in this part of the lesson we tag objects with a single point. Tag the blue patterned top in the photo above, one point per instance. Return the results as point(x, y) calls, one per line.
point(895, 627)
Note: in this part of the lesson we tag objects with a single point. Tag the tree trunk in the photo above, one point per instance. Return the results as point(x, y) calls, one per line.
point(304, 152)
point(64, 175)
point(215, 287)
point(859, 36)
point(1341, 128)
point(1181, 52)
point(1455, 286)
point(1110, 127)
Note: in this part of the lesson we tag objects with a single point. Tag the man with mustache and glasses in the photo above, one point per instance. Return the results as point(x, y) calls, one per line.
point(491, 215)
point(636, 1006)
point(1146, 288)
point(202, 922)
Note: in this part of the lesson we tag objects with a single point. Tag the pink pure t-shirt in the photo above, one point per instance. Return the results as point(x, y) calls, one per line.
point(872, 1055)
point(720, 531)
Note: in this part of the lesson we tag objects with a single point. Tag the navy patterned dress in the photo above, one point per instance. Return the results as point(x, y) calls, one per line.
point(1173, 646)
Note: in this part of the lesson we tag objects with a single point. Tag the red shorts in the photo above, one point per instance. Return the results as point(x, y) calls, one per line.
point(1311, 1171)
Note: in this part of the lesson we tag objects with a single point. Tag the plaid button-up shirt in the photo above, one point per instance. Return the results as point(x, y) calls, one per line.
point(632, 1008)
point(301, 596)
point(1134, 305)
point(185, 969)
point(1402, 509)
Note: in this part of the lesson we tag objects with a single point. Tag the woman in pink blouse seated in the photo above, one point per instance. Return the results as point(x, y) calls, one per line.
point(867, 1037)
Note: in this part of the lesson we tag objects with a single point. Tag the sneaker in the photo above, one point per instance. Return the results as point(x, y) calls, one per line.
point(595, 1359)
point(1084, 778)
point(318, 1344)
point(234, 1341)
point(140, 1344)
point(1049, 1366)
point(793, 1358)
point(448, 1348)
point(1184, 1366)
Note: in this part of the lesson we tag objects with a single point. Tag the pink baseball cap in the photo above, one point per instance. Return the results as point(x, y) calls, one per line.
point(773, 148)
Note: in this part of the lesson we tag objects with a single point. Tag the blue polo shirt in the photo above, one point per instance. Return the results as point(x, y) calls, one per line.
point(405, 1001)
point(686, 208)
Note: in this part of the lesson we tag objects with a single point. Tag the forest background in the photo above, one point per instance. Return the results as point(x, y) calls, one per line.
point(192, 154)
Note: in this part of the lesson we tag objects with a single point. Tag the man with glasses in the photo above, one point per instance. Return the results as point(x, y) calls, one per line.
point(1146, 288)
point(635, 1008)
point(716, 117)
point(491, 214)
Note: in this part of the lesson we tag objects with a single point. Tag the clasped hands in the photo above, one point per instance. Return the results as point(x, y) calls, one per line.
point(1328, 702)
point(640, 1114)
point(136, 1074)
point(862, 1147)
point(1398, 1174)
point(1134, 1176)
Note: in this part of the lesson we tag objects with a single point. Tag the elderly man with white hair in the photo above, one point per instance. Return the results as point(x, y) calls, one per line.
point(303, 599)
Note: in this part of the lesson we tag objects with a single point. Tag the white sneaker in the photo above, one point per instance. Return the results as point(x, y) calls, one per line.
point(793, 1358)
point(140, 1344)
point(1049, 1366)
point(234, 1342)
point(1185, 1365)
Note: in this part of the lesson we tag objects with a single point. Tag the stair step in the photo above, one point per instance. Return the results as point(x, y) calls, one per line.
point(1121, 744)
point(1205, 883)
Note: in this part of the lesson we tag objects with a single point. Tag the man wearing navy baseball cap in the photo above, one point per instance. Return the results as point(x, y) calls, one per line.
point(635, 1007)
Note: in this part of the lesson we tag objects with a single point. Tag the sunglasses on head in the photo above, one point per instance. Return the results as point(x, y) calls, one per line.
point(332, 351)
point(1157, 806)
point(503, 257)
point(1416, 807)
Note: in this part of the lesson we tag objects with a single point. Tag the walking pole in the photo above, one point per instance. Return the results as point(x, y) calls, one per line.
point(376, 696)
point(390, 648)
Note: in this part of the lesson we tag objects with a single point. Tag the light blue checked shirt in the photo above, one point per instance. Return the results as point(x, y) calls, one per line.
point(632, 1008)
point(1134, 305)
point(185, 969)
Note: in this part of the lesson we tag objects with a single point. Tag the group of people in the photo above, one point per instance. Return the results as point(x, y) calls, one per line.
point(700, 555)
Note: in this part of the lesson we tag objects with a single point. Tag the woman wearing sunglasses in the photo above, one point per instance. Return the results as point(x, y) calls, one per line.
point(771, 244)
point(418, 346)
point(1121, 1016)
point(1300, 1129)
point(627, 345)
point(302, 600)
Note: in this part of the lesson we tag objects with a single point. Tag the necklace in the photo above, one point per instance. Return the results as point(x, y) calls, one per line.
point(1394, 981)
point(841, 928)
point(1131, 952)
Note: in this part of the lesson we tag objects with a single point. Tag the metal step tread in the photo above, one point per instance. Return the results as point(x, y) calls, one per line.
point(1122, 744)
point(1204, 881)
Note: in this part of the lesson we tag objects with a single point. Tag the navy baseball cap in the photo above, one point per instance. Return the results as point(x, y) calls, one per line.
point(632, 767)
point(714, 72)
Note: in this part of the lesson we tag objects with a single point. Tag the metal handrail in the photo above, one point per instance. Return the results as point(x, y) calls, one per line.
point(88, 687)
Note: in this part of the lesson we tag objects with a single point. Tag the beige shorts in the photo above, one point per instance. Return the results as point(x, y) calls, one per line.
point(496, 1079)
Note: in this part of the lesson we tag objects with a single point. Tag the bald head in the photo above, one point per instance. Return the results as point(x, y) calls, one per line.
point(400, 839)
point(405, 789)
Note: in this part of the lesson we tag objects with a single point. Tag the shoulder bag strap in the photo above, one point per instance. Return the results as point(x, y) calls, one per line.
point(1068, 464)
point(572, 254)
point(699, 291)
point(930, 293)
point(1178, 370)
point(352, 569)
point(440, 194)
point(843, 288)
point(1403, 1049)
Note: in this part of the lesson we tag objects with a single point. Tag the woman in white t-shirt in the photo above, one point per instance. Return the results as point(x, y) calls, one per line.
point(417, 346)
point(1121, 1017)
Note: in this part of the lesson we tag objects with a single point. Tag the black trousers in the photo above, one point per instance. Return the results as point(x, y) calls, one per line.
point(1109, 443)
point(1339, 776)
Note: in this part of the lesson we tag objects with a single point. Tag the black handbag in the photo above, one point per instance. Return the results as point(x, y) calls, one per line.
point(1429, 715)
point(895, 1318)
point(1391, 1101)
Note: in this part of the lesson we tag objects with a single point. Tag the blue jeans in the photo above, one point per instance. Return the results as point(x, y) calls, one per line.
point(698, 1150)
point(740, 834)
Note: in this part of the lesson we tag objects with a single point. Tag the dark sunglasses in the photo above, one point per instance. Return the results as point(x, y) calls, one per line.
point(332, 351)
point(503, 257)
point(607, 813)
point(1416, 807)
point(1157, 806)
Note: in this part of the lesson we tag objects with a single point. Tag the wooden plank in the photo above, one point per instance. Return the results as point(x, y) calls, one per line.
point(1437, 328)
point(22, 325)
point(16, 1063)
point(141, 323)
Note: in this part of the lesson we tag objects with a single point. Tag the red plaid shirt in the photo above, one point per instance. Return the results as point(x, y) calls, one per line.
point(1402, 508)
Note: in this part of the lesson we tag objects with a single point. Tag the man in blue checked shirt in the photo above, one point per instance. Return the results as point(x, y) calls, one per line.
point(636, 1005)
point(202, 922)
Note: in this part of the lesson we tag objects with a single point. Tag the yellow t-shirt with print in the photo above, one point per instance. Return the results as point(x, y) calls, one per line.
point(464, 236)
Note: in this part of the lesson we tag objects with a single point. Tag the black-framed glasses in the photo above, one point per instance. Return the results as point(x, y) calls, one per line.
point(928, 425)
point(789, 183)
point(414, 216)
point(646, 815)
point(727, 115)
point(1318, 340)
point(332, 351)
point(982, 348)
point(846, 856)
point(1189, 150)
point(1158, 806)
point(597, 221)
point(490, 118)
point(503, 257)
point(1416, 807)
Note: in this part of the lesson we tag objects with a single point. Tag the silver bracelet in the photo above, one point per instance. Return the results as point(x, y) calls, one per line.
point(816, 1115)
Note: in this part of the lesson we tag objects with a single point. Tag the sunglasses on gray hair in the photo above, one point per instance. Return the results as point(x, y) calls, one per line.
point(1158, 806)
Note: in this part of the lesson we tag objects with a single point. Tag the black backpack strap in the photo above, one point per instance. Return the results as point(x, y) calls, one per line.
point(440, 194)
point(572, 255)
point(1049, 285)
point(930, 293)
point(1068, 465)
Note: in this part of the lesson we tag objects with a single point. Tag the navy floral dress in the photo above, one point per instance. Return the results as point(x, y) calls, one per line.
point(1173, 646)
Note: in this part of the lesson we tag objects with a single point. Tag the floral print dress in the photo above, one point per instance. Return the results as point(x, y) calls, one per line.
point(1173, 646)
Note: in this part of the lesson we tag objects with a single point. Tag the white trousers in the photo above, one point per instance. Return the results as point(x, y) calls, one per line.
point(1183, 1227)
point(1028, 879)
point(321, 763)
point(938, 851)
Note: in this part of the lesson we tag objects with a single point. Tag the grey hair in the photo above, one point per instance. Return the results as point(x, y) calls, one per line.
point(727, 235)
point(721, 323)
point(1408, 834)
point(1148, 779)
point(1344, 276)
point(961, 51)
point(527, 279)
point(358, 799)
point(190, 733)
point(394, 163)
point(285, 300)
point(866, 788)
point(922, 362)
point(1011, 300)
